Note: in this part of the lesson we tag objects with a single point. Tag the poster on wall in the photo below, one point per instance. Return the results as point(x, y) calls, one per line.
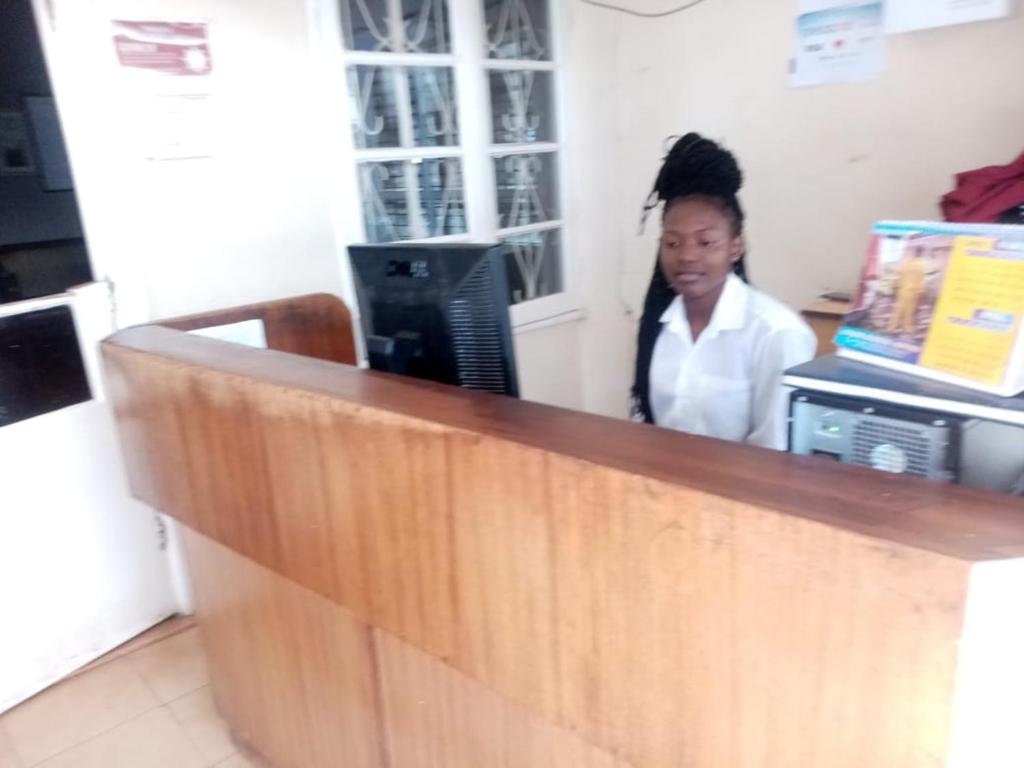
point(167, 71)
point(164, 47)
point(913, 15)
point(837, 42)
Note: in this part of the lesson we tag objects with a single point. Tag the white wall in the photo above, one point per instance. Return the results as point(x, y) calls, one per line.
point(83, 567)
point(548, 359)
point(597, 207)
point(251, 222)
point(822, 163)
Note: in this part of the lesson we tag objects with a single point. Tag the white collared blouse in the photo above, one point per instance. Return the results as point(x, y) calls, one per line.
point(728, 384)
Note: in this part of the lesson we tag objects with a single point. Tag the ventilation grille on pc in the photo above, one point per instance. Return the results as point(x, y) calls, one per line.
point(899, 448)
point(476, 331)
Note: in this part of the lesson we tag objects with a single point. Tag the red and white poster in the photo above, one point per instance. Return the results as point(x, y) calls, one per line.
point(167, 47)
point(167, 78)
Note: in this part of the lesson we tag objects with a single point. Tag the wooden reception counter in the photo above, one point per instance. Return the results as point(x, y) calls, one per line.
point(401, 575)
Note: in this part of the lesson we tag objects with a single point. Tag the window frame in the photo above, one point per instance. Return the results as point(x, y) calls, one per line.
point(476, 150)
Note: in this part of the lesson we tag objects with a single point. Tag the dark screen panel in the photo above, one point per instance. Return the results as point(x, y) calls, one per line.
point(34, 270)
point(438, 312)
point(41, 368)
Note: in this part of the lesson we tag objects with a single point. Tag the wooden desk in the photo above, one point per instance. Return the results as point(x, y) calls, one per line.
point(405, 575)
point(825, 316)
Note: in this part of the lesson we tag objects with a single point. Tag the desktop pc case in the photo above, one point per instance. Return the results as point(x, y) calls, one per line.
point(863, 414)
point(882, 436)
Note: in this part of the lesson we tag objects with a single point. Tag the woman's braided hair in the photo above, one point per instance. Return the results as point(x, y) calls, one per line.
point(698, 167)
point(695, 167)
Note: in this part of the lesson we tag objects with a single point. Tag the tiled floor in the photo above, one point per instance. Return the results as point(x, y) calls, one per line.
point(150, 708)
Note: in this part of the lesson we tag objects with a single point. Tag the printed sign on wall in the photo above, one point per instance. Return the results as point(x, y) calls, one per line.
point(911, 15)
point(837, 42)
point(167, 70)
point(171, 48)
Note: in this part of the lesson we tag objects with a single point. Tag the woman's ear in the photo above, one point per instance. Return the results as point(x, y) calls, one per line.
point(737, 248)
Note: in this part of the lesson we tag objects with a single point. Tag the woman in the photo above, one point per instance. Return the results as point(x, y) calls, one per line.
point(711, 350)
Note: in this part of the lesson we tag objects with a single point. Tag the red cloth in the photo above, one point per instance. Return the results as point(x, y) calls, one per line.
point(981, 195)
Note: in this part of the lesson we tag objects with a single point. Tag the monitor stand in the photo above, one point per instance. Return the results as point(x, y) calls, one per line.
point(393, 354)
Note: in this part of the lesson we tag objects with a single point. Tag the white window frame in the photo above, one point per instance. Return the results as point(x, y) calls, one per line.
point(475, 149)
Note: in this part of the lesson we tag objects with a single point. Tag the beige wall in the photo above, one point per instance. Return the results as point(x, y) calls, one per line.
point(822, 163)
point(250, 223)
point(599, 210)
point(548, 359)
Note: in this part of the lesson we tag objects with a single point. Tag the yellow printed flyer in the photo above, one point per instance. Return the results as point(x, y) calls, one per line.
point(944, 301)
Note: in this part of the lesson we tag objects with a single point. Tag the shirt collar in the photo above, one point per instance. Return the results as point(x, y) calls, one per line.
point(730, 312)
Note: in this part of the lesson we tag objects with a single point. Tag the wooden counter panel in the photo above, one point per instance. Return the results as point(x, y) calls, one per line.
point(677, 629)
point(292, 673)
point(306, 685)
point(962, 522)
point(316, 325)
point(437, 717)
point(663, 622)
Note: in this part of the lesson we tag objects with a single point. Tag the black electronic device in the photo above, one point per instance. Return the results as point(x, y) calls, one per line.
point(437, 312)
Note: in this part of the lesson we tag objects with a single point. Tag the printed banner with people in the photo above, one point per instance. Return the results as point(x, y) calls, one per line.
point(944, 301)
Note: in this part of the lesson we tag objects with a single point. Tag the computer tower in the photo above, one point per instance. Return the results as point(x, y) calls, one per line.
point(879, 435)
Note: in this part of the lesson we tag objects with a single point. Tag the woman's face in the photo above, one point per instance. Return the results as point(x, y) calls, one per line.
point(698, 247)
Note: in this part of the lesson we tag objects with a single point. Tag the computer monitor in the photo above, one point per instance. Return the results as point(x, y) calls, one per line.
point(437, 312)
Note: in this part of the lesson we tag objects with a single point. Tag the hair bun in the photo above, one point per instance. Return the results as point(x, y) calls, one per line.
point(695, 166)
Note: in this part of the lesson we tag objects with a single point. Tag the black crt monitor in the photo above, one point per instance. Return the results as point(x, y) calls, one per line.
point(437, 312)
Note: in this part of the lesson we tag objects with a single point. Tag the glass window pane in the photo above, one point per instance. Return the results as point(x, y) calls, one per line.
point(522, 107)
point(527, 189)
point(403, 200)
point(442, 200)
point(364, 25)
point(517, 29)
point(426, 26)
point(374, 106)
point(432, 92)
point(534, 265)
point(385, 204)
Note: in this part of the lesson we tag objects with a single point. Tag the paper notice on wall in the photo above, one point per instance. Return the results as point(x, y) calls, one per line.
point(167, 74)
point(164, 47)
point(837, 42)
point(176, 126)
point(912, 15)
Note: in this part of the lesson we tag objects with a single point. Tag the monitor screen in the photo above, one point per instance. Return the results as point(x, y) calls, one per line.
point(41, 367)
point(437, 312)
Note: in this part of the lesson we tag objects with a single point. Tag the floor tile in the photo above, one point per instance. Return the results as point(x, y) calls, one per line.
point(203, 725)
point(152, 740)
point(236, 761)
point(172, 667)
point(76, 710)
point(167, 628)
point(245, 758)
point(8, 757)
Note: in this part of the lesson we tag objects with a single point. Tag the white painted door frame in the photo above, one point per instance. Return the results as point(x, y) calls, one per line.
point(83, 567)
